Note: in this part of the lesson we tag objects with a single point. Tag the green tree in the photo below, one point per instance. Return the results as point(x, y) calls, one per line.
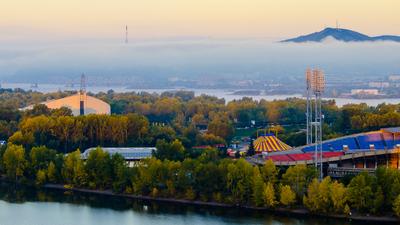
point(396, 206)
point(298, 177)
point(98, 168)
point(258, 188)
point(360, 193)
point(171, 151)
point(239, 181)
point(40, 157)
point(14, 161)
point(73, 169)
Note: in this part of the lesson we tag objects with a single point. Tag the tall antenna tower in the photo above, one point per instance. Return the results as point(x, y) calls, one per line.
point(126, 34)
point(82, 95)
point(318, 87)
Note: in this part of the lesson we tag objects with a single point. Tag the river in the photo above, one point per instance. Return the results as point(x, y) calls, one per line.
point(228, 95)
point(28, 206)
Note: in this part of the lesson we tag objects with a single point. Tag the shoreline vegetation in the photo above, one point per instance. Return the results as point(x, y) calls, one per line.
point(209, 180)
point(292, 211)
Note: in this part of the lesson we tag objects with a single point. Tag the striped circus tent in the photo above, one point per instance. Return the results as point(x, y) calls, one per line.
point(269, 143)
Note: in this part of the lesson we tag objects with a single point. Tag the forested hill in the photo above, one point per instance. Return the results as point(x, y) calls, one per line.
point(341, 35)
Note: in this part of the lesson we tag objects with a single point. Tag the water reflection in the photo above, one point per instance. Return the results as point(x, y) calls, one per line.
point(26, 205)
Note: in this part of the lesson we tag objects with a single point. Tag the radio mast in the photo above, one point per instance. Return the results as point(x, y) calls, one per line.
point(126, 34)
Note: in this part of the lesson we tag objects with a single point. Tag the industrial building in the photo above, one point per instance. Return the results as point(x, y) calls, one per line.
point(80, 103)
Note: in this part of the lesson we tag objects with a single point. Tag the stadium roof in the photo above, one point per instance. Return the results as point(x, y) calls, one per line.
point(391, 130)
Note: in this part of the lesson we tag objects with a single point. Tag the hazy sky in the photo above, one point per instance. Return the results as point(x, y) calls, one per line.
point(57, 40)
point(102, 19)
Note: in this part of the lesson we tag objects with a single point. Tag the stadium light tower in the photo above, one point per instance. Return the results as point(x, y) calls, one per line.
point(318, 87)
point(309, 107)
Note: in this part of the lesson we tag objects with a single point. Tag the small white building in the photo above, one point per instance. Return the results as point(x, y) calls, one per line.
point(364, 92)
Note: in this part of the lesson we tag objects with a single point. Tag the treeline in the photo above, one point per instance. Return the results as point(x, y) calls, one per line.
point(208, 178)
point(66, 133)
point(181, 115)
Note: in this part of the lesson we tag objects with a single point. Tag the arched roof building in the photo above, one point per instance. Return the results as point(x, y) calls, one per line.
point(79, 104)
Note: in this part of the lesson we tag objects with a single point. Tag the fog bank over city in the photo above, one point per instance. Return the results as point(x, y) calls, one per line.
point(115, 62)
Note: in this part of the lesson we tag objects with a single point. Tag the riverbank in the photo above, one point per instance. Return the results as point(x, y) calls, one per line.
point(286, 211)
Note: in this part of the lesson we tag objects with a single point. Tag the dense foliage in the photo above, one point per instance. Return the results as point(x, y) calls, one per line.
point(175, 122)
point(207, 178)
point(140, 119)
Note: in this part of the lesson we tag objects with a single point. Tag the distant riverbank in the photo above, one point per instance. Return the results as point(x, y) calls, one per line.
point(294, 211)
point(227, 94)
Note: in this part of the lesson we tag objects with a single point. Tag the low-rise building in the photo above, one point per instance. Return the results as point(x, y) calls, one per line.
point(130, 154)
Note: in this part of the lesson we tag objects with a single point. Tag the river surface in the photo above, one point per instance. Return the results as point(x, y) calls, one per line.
point(28, 206)
point(228, 95)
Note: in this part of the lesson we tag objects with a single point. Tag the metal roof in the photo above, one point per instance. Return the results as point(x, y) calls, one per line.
point(129, 153)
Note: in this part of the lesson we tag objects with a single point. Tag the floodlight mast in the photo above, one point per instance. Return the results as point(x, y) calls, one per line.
point(318, 87)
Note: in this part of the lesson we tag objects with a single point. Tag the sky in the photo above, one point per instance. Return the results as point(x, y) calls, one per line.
point(147, 19)
point(57, 40)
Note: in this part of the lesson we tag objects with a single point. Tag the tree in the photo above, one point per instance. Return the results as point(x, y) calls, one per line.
point(270, 172)
point(298, 177)
point(251, 151)
point(318, 196)
point(221, 128)
point(40, 177)
point(239, 181)
point(40, 157)
point(121, 174)
point(269, 194)
point(51, 172)
point(21, 139)
point(360, 192)
point(338, 197)
point(378, 201)
point(73, 169)
point(396, 206)
point(287, 196)
point(98, 168)
point(258, 188)
point(14, 161)
point(171, 151)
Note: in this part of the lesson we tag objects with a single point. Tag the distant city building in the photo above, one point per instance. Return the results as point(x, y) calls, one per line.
point(365, 92)
point(379, 84)
point(79, 105)
point(394, 78)
point(130, 154)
